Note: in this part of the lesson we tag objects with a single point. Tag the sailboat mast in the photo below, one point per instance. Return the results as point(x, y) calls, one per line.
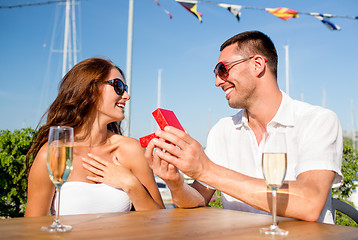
point(65, 41)
point(353, 126)
point(287, 71)
point(126, 130)
point(159, 94)
point(69, 52)
point(159, 87)
point(74, 39)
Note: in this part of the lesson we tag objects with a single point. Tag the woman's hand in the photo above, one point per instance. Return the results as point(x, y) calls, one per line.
point(166, 171)
point(181, 151)
point(113, 174)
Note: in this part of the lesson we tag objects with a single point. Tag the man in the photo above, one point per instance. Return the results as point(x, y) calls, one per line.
point(247, 73)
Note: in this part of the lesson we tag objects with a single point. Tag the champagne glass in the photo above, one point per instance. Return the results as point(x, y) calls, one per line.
point(59, 166)
point(274, 165)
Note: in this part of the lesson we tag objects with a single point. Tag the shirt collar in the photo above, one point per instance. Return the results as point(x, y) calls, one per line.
point(284, 115)
point(240, 119)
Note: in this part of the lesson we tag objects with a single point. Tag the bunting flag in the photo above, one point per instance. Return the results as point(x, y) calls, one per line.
point(191, 6)
point(283, 13)
point(234, 9)
point(166, 11)
point(324, 18)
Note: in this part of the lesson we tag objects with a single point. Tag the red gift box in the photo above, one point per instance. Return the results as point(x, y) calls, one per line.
point(146, 139)
point(164, 118)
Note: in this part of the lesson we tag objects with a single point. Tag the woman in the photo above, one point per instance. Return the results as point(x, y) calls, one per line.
point(91, 99)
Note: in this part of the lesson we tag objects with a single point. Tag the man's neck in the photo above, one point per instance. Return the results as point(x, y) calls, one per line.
point(262, 112)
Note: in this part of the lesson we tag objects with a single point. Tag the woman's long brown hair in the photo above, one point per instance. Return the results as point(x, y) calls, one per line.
point(77, 98)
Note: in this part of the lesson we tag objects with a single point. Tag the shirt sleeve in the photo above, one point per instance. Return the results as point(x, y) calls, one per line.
point(321, 144)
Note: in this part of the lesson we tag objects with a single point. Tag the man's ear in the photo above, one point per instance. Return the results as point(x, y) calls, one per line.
point(259, 65)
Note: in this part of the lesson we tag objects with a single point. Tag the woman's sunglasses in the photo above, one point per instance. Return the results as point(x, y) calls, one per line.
point(118, 85)
point(222, 70)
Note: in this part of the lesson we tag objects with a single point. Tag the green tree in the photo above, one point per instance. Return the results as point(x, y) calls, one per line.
point(13, 177)
point(350, 174)
point(349, 171)
point(216, 201)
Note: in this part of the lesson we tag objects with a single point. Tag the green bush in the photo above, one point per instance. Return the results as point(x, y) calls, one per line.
point(349, 171)
point(350, 174)
point(13, 177)
point(216, 200)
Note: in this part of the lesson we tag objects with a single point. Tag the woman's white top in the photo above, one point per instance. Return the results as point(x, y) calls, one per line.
point(86, 198)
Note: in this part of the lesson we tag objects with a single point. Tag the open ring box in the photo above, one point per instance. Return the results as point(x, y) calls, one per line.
point(164, 118)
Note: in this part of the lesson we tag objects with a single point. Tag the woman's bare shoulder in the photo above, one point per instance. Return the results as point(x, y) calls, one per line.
point(42, 154)
point(128, 149)
point(39, 166)
point(125, 143)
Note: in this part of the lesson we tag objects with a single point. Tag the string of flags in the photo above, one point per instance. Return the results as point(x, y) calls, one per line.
point(166, 11)
point(31, 4)
point(281, 12)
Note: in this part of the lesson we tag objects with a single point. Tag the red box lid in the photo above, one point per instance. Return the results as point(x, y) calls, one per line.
point(166, 118)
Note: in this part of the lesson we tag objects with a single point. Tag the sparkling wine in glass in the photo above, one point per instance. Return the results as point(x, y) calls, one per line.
point(274, 166)
point(59, 166)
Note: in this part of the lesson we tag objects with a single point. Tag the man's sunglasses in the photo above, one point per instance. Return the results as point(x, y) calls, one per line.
point(118, 85)
point(222, 70)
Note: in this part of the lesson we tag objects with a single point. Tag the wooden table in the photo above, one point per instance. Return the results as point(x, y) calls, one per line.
point(200, 223)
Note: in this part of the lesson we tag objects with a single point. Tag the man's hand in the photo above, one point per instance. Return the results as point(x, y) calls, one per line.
point(166, 171)
point(175, 150)
point(181, 150)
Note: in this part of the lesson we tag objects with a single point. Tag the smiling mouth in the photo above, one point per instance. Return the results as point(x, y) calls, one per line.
point(229, 90)
point(121, 105)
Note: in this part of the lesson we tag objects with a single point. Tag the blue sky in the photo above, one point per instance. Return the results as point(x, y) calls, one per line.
point(185, 49)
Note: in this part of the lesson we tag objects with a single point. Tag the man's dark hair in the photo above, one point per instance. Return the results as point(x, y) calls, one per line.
point(252, 43)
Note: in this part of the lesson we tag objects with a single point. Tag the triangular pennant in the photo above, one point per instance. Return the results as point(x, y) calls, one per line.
point(283, 13)
point(325, 20)
point(166, 11)
point(191, 6)
point(234, 9)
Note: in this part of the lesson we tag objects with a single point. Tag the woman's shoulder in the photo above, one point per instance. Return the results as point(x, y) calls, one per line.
point(42, 153)
point(128, 150)
point(39, 164)
point(125, 143)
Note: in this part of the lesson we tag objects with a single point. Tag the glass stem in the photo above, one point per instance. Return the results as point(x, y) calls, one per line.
point(274, 208)
point(57, 216)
